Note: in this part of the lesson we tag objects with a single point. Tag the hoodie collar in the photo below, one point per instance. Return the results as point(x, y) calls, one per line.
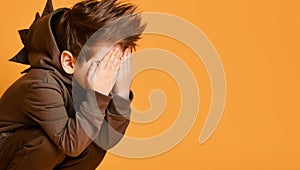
point(40, 47)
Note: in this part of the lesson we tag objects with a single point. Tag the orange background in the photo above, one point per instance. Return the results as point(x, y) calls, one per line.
point(258, 43)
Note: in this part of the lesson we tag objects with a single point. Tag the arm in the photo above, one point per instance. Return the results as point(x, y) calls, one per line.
point(118, 112)
point(44, 104)
point(116, 122)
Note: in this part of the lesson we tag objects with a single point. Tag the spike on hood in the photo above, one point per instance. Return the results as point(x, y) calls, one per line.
point(40, 47)
point(48, 8)
point(21, 57)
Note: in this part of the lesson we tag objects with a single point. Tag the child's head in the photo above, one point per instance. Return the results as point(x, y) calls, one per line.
point(118, 22)
point(91, 28)
point(79, 23)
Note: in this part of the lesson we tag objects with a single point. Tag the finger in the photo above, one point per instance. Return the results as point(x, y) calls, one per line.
point(129, 66)
point(106, 58)
point(118, 60)
point(117, 63)
point(120, 54)
point(122, 68)
point(122, 58)
point(128, 60)
point(112, 60)
point(116, 66)
point(122, 64)
point(126, 52)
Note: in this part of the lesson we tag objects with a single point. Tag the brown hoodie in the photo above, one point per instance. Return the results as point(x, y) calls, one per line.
point(42, 98)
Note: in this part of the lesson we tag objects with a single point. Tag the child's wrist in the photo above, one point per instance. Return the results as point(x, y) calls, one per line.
point(124, 94)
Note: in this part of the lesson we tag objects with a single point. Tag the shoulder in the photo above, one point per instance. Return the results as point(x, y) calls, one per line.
point(35, 77)
point(38, 81)
point(42, 79)
point(43, 76)
point(44, 87)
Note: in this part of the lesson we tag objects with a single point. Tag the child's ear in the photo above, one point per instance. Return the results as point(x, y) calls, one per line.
point(67, 61)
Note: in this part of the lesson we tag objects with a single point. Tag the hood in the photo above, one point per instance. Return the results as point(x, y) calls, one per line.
point(40, 47)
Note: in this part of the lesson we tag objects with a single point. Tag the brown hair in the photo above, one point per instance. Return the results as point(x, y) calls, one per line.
point(85, 18)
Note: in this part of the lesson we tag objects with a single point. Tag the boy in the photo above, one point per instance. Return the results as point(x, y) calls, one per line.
point(48, 122)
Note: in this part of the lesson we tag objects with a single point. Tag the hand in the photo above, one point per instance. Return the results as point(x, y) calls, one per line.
point(122, 86)
point(102, 76)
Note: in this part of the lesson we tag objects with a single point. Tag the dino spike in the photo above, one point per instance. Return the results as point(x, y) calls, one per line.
point(48, 8)
point(21, 57)
point(22, 34)
point(37, 16)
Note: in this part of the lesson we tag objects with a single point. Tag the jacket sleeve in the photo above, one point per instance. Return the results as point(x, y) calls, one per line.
point(44, 104)
point(116, 121)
